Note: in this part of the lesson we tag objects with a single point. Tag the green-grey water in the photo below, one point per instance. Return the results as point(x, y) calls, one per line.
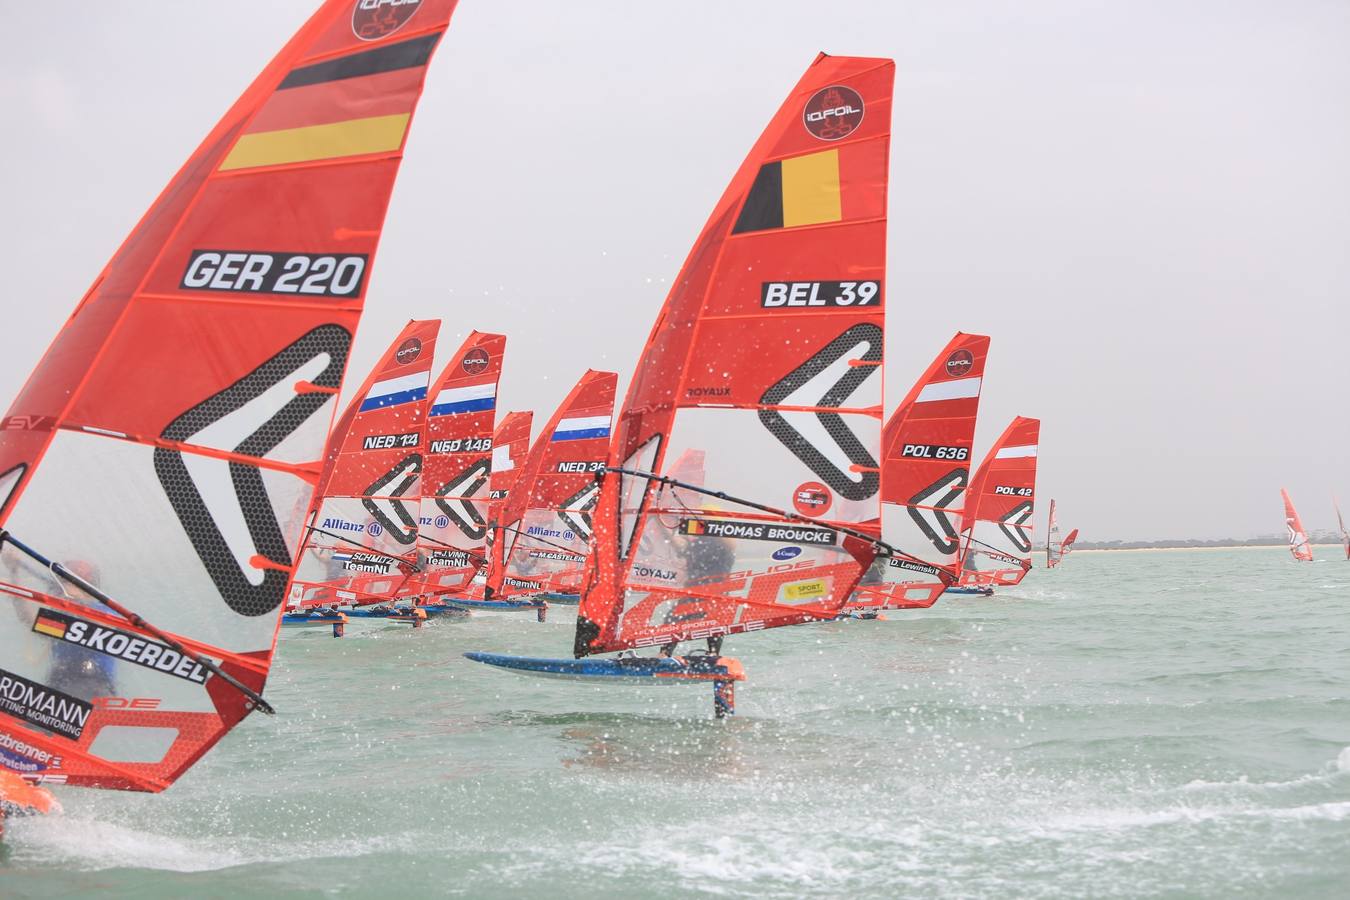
point(1154, 723)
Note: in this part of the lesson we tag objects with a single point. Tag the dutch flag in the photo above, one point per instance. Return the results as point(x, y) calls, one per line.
point(474, 398)
point(393, 391)
point(581, 428)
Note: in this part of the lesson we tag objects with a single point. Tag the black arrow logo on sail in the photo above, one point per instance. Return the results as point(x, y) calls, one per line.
point(576, 511)
point(454, 499)
point(258, 429)
point(805, 386)
point(928, 508)
point(402, 476)
point(1013, 525)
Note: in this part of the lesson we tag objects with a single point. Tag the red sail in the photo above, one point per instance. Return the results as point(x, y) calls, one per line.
point(165, 447)
point(1067, 547)
point(996, 536)
point(1298, 537)
point(360, 543)
point(767, 356)
point(924, 472)
point(456, 478)
point(543, 528)
point(510, 446)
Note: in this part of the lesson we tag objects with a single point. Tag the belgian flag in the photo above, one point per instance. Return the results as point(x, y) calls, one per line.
point(843, 184)
point(801, 190)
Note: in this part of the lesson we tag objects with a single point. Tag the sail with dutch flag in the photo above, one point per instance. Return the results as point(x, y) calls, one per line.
point(456, 476)
point(360, 541)
point(542, 530)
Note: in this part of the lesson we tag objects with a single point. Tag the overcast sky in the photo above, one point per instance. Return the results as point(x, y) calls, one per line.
point(1145, 204)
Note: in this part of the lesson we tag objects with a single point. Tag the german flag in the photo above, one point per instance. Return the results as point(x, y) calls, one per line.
point(51, 623)
point(309, 119)
point(834, 185)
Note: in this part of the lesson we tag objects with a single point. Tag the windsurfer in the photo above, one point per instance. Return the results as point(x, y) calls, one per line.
point(76, 670)
point(706, 559)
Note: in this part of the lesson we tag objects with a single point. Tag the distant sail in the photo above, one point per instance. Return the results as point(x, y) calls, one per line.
point(1054, 545)
point(360, 541)
point(1298, 537)
point(767, 356)
point(456, 480)
point(165, 447)
point(996, 536)
point(1340, 523)
point(1067, 547)
point(924, 471)
point(544, 526)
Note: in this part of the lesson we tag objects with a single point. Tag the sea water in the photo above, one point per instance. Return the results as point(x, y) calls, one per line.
point(1133, 723)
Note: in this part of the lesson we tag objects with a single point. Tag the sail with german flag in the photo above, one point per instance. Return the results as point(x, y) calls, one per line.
point(996, 536)
point(457, 473)
point(543, 528)
point(924, 471)
point(767, 357)
point(360, 540)
point(182, 412)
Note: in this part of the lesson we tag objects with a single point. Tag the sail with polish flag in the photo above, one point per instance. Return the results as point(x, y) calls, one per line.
point(996, 540)
point(924, 472)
